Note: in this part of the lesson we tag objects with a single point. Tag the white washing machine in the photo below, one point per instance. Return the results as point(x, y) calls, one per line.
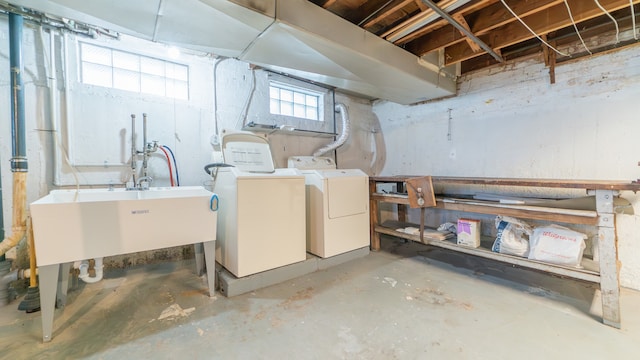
point(261, 221)
point(337, 206)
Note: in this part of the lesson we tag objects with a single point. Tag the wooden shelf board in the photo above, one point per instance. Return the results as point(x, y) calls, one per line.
point(550, 183)
point(569, 216)
point(588, 273)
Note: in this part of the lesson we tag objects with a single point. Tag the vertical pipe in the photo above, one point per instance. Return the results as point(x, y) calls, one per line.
point(19, 159)
point(19, 149)
point(145, 153)
point(133, 149)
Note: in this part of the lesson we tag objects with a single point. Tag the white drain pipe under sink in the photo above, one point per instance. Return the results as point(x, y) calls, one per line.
point(84, 271)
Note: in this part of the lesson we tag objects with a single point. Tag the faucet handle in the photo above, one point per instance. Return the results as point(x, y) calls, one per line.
point(144, 182)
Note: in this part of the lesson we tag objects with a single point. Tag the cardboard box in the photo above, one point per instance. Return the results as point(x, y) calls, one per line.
point(469, 232)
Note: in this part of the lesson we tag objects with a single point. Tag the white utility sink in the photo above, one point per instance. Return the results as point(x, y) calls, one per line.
point(72, 225)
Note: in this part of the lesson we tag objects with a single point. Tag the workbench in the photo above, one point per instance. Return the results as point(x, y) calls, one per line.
point(601, 269)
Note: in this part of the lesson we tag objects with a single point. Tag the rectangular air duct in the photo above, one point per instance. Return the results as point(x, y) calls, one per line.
point(295, 37)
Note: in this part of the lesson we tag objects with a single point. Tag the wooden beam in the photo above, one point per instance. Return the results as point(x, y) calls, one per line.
point(460, 27)
point(497, 15)
point(489, 18)
point(549, 57)
point(545, 50)
point(551, 19)
point(387, 13)
point(421, 5)
point(465, 10)
point(552, 66)
point(416, 19)
point(328, 3)
point(460, 19)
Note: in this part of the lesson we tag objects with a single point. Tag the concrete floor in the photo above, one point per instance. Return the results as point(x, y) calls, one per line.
point(407, 301)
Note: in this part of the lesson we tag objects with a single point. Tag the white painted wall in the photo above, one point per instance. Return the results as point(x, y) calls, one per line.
point(509, 121)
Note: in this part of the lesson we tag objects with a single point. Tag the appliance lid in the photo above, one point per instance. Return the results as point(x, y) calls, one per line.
point(247, 151)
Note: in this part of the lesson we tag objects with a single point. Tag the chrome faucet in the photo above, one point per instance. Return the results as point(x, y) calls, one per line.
point(144, 182)
point(147, 150)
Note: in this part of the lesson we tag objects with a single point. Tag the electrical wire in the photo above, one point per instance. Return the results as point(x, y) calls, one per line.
point(175, 164)
point(576, 27)
point(633, 20)
point(612, 19)
point(169, 165)
point(532, 32)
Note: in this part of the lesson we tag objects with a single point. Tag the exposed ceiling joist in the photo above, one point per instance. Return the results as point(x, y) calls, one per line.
point(464, 30)
point(485, 20)
point(419, 30)
point(550, 19)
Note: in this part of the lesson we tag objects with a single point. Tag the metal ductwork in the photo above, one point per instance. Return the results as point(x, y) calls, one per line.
point(289, 36)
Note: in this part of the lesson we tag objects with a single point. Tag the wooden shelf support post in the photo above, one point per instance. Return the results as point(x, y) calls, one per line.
point(608, 253)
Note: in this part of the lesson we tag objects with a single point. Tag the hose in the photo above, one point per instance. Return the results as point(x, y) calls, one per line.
point(342, 109)
point(175, 164)
point(168, 164)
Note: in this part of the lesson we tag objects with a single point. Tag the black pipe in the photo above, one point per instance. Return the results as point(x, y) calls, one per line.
point(18, 149)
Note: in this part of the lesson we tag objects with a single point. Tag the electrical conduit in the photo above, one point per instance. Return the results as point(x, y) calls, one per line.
point(19, 160)
point(346, 129)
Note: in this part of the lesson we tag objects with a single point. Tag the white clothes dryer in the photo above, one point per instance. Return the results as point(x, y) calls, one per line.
point(337, 212)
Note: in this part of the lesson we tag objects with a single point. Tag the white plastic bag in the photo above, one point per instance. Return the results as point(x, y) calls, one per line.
point(512, 236)
point(557, 245)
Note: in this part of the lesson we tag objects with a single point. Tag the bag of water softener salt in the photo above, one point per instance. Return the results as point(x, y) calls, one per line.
point(512, 236)
point(557, 245)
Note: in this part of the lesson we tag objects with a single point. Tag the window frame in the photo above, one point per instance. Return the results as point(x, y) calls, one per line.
point(260, 115)
point(296, 90)
point(166, 78)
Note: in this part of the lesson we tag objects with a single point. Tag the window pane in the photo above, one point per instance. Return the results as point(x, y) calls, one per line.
point(274, 106)
point(125, 60)
point(95, 74)
point(298, 110)
point(290, 101)
point(123, 70)
point(152, 66)
point(274, 92)
point(154, 85)
point(311, 100)
point(286, 95)
point(176, 71)
point(312, 113)
point(298, 98)
point(286, 108)
point(126, 80)
point(96, 54)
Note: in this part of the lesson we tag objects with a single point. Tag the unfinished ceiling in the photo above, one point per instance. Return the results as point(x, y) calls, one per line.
point(416, 27)
point(406, 51)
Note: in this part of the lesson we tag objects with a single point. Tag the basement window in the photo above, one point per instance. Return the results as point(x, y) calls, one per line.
point(107, 67)
point(292, 101)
